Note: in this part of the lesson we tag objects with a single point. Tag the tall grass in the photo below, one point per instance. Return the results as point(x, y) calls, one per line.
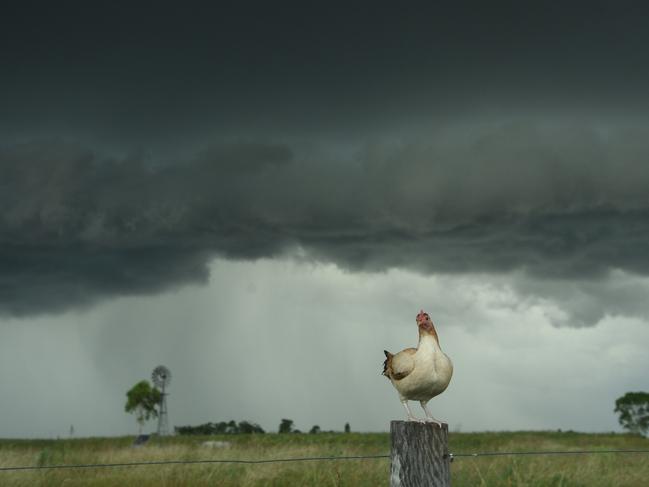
point(601, 470)
point(595, 470)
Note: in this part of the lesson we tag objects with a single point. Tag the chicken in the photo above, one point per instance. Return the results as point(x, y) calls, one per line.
point(419, 374)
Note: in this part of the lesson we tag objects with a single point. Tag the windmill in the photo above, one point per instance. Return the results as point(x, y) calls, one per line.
point(161, 377)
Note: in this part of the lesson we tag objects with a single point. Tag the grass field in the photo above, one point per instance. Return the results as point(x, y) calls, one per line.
point(589, 470)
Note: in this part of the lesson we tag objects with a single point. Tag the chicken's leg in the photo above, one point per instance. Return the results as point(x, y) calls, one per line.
point(411, 417)
point(429, 417)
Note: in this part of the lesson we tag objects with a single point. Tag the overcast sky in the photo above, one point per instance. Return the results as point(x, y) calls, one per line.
point(263, 197)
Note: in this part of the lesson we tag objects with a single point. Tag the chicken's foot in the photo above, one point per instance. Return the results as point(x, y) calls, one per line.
point(429, 416)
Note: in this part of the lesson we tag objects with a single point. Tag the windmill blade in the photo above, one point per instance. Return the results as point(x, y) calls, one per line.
point(161, 376)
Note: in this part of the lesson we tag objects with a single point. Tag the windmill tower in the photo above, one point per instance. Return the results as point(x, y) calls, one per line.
point(161, 377)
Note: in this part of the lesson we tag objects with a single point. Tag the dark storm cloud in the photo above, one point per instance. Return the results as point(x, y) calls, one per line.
point(369, 136)
point(554, 201)
point(559, 202)
point(75, 227)
point(138, 77)
point(581, 302)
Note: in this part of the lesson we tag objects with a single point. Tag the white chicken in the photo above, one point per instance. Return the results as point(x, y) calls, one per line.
point(419, 374)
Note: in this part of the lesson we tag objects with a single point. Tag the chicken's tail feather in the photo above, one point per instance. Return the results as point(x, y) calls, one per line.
point(387, 363)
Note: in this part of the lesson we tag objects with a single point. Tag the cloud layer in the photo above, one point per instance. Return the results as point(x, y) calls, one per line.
point(553, 201)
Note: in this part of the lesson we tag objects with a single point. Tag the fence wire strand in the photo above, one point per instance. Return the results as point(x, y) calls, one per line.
point(187, 462)
point(549, 452)
point(452, 456)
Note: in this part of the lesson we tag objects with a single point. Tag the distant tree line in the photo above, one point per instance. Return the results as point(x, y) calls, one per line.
point(222, 428)
point(243, 427)
point(286, 426)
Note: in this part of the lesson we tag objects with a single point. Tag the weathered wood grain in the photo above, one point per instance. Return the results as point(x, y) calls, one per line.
point(419, 455)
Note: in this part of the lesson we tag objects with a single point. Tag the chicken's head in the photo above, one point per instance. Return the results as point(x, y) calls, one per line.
point(425, 323)
point(422, 317)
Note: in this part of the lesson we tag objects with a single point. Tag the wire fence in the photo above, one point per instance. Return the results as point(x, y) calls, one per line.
point(190, 462)
point(547, 452)
point(452, 456)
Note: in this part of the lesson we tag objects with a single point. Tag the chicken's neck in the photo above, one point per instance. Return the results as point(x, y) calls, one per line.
point(428, 339)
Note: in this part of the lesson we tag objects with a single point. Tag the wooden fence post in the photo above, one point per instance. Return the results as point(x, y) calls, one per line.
point(419, 455)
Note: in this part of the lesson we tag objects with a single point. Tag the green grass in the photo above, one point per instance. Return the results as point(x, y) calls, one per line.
point(538, 471)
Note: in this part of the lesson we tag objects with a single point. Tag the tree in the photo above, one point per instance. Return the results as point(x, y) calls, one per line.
point(232, 428)
point(286, 426)
point(633, 408)
point(315, 430)
point(142, 400)
point(222, 428)
point(347, 428)
point(246, 427)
